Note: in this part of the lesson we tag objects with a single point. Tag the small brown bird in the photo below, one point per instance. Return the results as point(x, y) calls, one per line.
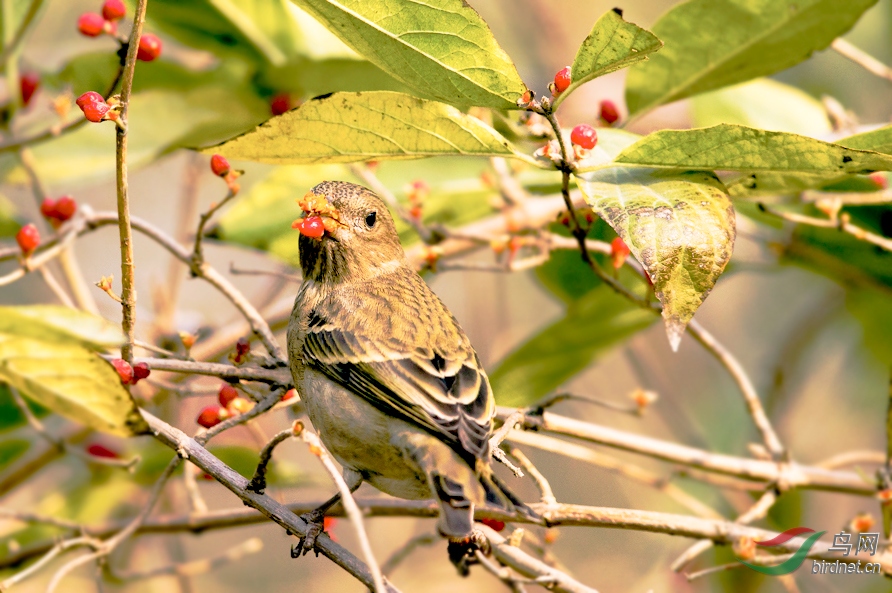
point(390, 381)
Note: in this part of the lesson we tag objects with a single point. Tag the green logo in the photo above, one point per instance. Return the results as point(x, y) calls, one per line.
point(796, 560)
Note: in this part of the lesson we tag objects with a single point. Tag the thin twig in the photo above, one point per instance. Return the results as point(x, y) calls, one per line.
point(750, 396)
point(128, 290)
point(545, 491)
point(349, 504)
point(258, 481)
point(404, 551)
point(862, 58)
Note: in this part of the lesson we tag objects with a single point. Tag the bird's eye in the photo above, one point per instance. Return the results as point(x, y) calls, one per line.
point(370, 219)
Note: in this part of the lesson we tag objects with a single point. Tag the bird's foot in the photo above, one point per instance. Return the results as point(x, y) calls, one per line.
point(315, 521)
point(462, 552)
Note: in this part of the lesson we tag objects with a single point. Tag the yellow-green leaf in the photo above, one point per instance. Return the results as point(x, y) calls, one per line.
point(440, 48)
point(53, 323)
point(738, 148)
point(613, 44)
point(679, 225)
point(879, 140)
point(71, 380)
point(377, 125)
point(716, 43)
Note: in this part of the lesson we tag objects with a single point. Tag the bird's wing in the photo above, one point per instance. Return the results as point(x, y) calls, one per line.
point(408, 357)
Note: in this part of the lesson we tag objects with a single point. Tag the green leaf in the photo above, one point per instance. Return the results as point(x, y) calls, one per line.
point(351, 127)
point(71, 380)
point(612, 45)
point(264, 30)
point(879, 140)
point(311, 78)
point(710, 44)
point(679, 225)
point(440, 48)
point(54, 323)
point(763, 103)
point(596, 322)
point(738, 148)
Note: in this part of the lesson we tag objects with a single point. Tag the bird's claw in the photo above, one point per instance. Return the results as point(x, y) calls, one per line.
point(462, 552)
point(315, 526)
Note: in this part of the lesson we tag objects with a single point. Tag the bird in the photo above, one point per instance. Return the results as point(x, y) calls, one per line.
point(388, 377)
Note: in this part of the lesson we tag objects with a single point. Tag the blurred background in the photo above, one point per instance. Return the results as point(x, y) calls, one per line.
point(812, 330)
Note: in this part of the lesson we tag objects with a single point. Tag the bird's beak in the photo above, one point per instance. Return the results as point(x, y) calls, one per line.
point(320, 217)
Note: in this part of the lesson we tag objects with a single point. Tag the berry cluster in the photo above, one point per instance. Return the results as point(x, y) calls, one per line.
point(92, 24)
point(95, 107)
point(321, 217)
point(231, 404)
point(58, 211)
point(130, 375)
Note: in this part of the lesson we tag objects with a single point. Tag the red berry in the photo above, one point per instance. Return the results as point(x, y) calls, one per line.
point(609, 112)
point(219, 165)
point(140, 371)
point(280, 103)
point(65, 208)
point(619, 251)
point(89, 97)
point(95, 112)
point(226, 395)
point(212, 416)
point(290, 394)
point(493, 524)
point(585, 136)
point(91, 24)
point(242, 347)
point(562, 80)
point(28, 238)
point(28, 85)
point(48, 208)
point(114, 10)
point(149, 48)
point(125, 371)
point(97, 450)
point(312, 227)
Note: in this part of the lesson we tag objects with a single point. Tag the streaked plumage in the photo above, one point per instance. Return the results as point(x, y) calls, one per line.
point(390, 380)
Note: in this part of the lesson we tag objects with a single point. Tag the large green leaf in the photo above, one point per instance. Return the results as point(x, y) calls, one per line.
point(765, 104)
point(261, 29)
point(12, 449)
point(738, 148)
point(879, 140)
point(54, 323)
point(716, 43)
point(612, 45)
point(351, 127)
point(596, 322)
point(440, 48)
point(679, 225)
point(311, 78)
point(71, 380)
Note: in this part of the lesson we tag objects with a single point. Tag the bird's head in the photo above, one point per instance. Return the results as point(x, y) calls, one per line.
point(347, 234)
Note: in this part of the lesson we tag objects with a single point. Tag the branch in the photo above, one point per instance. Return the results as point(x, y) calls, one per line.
point(862, 58)
point(238, 485)
point(128, 291)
